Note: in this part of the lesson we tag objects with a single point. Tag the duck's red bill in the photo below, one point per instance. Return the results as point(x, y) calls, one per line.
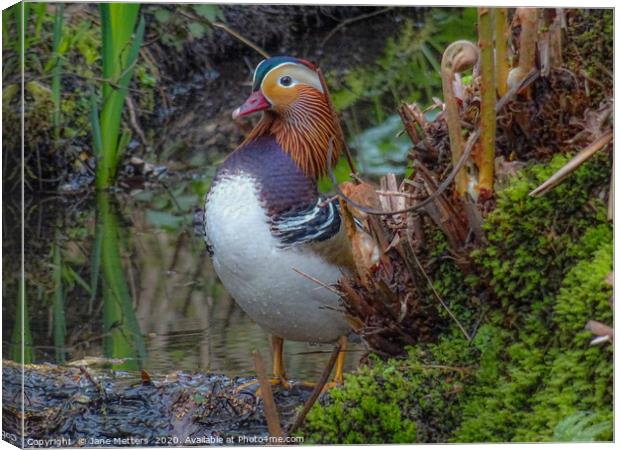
point(255, 102)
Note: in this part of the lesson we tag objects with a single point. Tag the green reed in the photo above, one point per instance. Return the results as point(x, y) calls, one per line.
point(120, 48)
point(57, 68)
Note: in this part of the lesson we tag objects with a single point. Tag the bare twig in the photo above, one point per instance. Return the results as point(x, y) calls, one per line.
point(299, 420)
point(94, 382)
point(430, 283)
point(603, 69)
point(317, 281)
point(327, 201)
point(344, 23)
point(271, 413)
point(241, 38)
point(133, 119)
point(399, 194)
point(573, 164)
point(228, 30)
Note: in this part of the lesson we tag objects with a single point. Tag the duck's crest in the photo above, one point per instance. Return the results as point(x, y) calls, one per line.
point(266, 65)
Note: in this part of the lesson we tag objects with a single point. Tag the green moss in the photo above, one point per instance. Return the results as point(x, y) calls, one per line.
point(546, 260)
point(532, 374)
point(531, 241)
point(551, 371)
point(395, 401)
point(453, 286)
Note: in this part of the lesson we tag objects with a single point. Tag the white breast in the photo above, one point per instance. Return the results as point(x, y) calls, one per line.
point(259, 274)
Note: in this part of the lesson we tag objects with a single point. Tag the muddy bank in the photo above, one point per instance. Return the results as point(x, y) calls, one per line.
point(88, 407)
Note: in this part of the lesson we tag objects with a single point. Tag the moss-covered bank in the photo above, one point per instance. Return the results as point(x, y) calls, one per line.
point(529, 373)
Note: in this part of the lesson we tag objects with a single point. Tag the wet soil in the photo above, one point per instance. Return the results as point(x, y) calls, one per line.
point(95, 408)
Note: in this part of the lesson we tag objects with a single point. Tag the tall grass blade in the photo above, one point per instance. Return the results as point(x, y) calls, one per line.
point(119, 54)
point(96, 128)
point(57, 70)
point(6, 17)
point(21, 15)
point(39, 10)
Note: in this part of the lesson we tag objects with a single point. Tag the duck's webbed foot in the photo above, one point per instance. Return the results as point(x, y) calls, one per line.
point(279, 375)
point(338, 379)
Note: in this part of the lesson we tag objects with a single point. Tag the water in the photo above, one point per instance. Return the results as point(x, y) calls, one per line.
point(157, 303)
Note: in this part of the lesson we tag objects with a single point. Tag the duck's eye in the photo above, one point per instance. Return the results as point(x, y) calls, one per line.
point(286, 80)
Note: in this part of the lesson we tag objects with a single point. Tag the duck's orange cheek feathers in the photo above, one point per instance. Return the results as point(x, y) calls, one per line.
point(280, 97)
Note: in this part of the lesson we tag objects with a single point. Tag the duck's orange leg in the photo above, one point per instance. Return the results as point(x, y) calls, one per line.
point(339, 375)
point(279, 375)
point(338, 379)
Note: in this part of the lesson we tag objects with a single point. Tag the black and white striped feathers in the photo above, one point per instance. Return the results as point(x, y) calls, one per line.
point(316, 223)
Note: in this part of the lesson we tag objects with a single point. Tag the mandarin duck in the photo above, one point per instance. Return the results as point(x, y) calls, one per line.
point(267, 228)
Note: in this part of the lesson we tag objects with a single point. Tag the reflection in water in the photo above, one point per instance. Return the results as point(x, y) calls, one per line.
point(122, 336)
point(58, 301)
point(152, 298)
point(21, 338)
